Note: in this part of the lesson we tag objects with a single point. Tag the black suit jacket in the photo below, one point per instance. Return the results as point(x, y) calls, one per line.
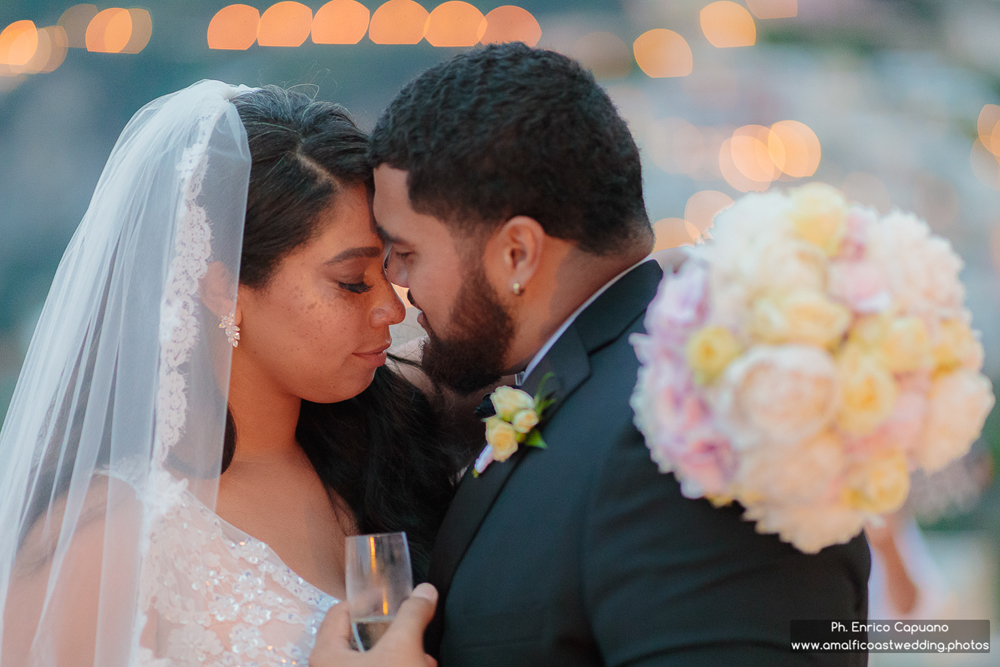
point(584, 554)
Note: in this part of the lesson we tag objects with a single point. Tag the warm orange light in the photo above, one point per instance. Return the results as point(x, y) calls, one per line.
point(774, 9)
point(732, 174)
point(701, 209)
point(75, 21)
point(511, 24)
point(340, 22)
point(989, 128)
point(727, 24)
point(18, 43)
point(795, 148)
point(675, 146)
point(285, 24)
point(663, 53)
point(751, 154)
point(51, 51)
point(109, 31)
point(673, 233)
point(605, 54)
point(142, 30)
point(234, 28)
point(398, 22)
point(455, 24)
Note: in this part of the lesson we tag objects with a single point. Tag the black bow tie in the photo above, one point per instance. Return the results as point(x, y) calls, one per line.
point(485, 409)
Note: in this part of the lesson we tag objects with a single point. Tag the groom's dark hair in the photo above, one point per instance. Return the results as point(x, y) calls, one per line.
point(509, 130)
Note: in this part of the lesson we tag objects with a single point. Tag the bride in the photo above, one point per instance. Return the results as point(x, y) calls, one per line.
point(204, 414)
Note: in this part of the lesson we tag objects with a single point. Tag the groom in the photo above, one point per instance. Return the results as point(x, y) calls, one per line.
point(511, 192)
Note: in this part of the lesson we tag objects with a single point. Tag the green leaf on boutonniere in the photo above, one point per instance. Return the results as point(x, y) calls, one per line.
point(542, 401)
point(534, 439)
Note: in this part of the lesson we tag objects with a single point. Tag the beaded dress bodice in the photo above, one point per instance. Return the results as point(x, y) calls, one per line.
point(222, 598)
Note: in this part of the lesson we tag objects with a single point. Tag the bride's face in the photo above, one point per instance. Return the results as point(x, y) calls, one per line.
point(320, 327)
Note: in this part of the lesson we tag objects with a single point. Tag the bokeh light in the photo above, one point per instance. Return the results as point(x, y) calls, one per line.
point(867, 189)
point(752, 156)
point(109, 31)
point(988, 125)
point(795, 148)
point(605, 54)
point(673, 233)
point(727, 24)
point(75, 21)
point(18, 43)
point(510, 23)
point(701, 209)
point(663, 53)
point(774, 9)
point(736, 178)
point(51, 51)
point(285, 24)
point(340, 22)
point(454, 24)
point(234, 28)
point(398, 22)
point(142, 30)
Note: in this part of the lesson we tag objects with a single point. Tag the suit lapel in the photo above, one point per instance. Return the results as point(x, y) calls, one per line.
point(568, 362)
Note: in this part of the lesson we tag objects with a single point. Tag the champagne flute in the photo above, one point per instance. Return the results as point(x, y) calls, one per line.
point(378, 578)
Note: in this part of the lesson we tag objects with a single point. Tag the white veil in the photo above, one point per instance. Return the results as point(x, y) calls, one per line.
point(121, 402)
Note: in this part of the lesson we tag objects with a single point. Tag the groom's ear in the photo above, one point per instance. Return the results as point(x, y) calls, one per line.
point(516, 249)
point(216, 290)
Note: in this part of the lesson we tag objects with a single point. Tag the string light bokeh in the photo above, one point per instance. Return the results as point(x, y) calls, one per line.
point(896, 102)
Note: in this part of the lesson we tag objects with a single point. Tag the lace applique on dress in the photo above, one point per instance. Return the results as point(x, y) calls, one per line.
point(223, 598)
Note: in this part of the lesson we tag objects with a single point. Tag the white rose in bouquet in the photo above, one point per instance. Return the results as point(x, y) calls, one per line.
point(777, 394)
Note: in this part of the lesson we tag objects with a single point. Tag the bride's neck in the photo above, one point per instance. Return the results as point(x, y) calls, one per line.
point(265, 416)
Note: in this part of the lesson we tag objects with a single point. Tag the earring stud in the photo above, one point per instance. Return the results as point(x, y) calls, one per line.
point(232, 331)
point(518, 290)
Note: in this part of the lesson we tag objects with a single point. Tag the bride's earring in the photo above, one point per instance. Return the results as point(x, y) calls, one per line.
point(232, 331)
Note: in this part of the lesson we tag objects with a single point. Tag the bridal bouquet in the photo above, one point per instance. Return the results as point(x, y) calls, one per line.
point(806, 361)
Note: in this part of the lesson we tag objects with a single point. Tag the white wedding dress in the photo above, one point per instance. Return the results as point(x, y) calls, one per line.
point(110, 552)
point(242, 605)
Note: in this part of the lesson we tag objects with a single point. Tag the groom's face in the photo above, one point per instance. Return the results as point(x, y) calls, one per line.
point(469, 330)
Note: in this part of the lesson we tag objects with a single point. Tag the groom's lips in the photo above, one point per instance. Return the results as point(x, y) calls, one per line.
point(375, 357)
point(422, 320)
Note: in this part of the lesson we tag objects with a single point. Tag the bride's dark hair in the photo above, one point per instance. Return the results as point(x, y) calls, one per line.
point(382, 452)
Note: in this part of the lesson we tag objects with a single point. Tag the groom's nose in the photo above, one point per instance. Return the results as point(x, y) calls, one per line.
point(396, 272)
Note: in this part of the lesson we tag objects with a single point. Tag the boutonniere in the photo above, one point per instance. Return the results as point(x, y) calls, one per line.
point(515, 423)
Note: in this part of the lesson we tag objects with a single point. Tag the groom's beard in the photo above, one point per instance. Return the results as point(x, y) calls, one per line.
point(472, 357)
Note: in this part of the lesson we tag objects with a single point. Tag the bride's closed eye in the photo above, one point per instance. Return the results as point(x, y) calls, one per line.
point(357, 288)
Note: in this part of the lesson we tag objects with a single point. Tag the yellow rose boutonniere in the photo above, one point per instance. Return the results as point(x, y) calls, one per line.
point(515, 423)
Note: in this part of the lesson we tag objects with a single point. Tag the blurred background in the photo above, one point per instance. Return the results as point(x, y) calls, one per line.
point(894, 101)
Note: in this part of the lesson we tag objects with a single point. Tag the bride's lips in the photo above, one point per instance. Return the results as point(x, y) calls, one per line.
point(375, 357)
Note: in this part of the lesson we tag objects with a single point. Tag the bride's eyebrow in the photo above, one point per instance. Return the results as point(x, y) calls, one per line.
point(367, 252)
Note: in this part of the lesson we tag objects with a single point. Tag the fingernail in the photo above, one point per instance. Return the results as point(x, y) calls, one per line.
point(426, 591)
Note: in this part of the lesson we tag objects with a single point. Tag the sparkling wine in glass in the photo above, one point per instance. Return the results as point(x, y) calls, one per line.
point(379, 578)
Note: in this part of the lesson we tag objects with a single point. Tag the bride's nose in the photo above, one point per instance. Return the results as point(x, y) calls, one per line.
point(387, 309)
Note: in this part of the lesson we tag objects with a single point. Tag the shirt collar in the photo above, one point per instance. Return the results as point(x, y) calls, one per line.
point(520, 377)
